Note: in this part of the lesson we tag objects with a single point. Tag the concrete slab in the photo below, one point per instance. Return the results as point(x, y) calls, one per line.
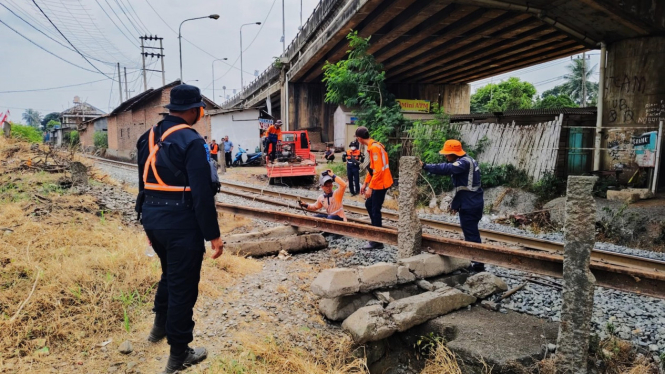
point(500, 339)
point(625, 196)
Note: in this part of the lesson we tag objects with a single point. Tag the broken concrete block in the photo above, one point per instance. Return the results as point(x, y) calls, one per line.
point(369, 324)
point(450, 280)
point(397, 293)
point(484, 284)
point(290, 244)
point(404, 275)
point(644, 193)
point(427, 265)
point(626, 196)
point(414, 310)
point(425, 285)
point(336, 282)
point(377, 276)
point(339, 308)
point(271, 233)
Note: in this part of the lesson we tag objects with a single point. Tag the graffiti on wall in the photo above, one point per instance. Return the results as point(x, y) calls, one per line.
point(654, 113)
point(628, 84)
point(620, 147)
point(620, 110)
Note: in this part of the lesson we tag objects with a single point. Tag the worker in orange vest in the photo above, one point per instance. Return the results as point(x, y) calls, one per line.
point(274, 136)
point(214, 149)
point(378, 180)
point(353, 158)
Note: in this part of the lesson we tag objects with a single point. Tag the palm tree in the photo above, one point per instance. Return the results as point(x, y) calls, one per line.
point(32, 117)
point(573, 85)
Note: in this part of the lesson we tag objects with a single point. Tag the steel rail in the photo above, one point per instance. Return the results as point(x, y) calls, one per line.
point(634, 280)
point(602, 256)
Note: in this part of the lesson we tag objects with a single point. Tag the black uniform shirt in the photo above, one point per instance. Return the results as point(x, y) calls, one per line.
point(187, 153)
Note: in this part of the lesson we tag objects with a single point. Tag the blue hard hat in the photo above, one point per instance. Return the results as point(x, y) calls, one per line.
point(185, 97)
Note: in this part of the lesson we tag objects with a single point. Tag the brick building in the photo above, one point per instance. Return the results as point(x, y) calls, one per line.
point(132, 118)
point(87, 130)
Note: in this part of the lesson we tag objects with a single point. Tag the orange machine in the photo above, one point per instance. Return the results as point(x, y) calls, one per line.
point(293, 157)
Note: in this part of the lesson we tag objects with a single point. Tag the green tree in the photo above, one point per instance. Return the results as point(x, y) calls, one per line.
point(101, 139)
point(551, 102)
point(51, 125)
point(32, 117)
point(573, 86)
point(53, 116)
point(510, 94)
point(74, 138)
point(359, 82)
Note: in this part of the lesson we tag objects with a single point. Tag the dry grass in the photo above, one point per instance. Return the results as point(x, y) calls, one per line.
point(442, 361)
point(269, 355)
point(71, 278)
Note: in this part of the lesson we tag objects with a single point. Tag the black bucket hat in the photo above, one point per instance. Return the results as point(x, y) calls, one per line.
point(185, 97)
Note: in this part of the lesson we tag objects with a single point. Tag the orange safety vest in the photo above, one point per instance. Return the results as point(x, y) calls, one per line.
point(380, 178)
point(350, 153)
point(274, 130)
point(152, 158)
point(214, 149)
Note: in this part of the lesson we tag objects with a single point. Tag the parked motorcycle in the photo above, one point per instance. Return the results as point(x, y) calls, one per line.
point(243, 158)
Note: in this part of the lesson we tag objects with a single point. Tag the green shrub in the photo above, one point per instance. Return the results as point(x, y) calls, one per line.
point(26, 133)
point(339, 169)
point(548, 187)
point(101, 139)
point(74, 138)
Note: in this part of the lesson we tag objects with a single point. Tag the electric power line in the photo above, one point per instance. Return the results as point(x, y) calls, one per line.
point(122, 9)
point(52, 88)
point(114, 24)
point(70, 43)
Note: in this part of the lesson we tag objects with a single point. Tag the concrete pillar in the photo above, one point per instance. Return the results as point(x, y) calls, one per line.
point(7, 129)
point(633, 100)
point(578, 282)
point(409, 231)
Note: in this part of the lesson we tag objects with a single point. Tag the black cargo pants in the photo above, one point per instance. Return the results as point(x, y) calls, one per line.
point(181, 254)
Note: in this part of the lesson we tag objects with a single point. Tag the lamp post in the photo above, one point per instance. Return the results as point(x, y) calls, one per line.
point(283, 30)
point(212, 16)
point(242, 85)
point(213, 75)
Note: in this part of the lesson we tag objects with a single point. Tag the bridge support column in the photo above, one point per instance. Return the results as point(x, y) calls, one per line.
point(455, 98)
point(307, 108)
point(633, 100)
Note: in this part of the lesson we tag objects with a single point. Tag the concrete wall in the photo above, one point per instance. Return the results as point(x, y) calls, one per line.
point(307, 109)
point(455, 98)
point(634, 98)
point(344, 132)
point(242, 127)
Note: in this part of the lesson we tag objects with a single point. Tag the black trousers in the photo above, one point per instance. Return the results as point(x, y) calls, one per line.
point(353, 172)
point(374, 205)
point(213, 156)
point(181, 254)
point(273, 148)
point(227, 157)
point(469, 219)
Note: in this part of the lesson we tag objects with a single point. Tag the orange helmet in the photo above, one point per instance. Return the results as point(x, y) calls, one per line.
point(452, 147)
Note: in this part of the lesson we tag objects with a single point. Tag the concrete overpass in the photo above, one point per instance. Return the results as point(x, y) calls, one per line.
point(432, 49)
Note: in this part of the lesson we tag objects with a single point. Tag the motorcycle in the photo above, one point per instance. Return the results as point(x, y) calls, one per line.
point(243, 158)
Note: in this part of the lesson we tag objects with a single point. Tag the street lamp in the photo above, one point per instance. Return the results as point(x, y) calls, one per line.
point(242, 85)
point(213, 75)
point(213, 16)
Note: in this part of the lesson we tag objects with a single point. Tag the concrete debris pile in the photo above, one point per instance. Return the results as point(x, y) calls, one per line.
point(276, 240)
point(377, 301)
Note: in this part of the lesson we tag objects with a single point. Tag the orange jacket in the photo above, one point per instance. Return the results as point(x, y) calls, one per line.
point(379, 177)
point(274, 130)
point(214, 148)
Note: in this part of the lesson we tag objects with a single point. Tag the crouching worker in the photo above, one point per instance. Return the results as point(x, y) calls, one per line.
point(331, 201)
point(468, 200)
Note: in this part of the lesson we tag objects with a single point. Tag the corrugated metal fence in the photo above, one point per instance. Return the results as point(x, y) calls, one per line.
point(533, 148)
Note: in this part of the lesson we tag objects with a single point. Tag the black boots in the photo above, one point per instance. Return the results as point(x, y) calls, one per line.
point(158, 331)
point(191, 356)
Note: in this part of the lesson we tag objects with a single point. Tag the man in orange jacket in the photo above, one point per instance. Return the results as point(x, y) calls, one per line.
point(274, 135)
point(377, 182)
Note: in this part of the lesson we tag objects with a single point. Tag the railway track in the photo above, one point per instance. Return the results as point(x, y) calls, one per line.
point(532, 244)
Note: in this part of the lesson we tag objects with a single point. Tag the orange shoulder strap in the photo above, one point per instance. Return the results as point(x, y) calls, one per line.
point(152, 158)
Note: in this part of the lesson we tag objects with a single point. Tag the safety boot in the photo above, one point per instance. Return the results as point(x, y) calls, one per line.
point(158, 331)
point(191, 356)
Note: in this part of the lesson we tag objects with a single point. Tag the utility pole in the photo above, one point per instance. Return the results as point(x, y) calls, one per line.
point(145, 79)
point(126, 86)
point(119, 83)
point(161, 52)
point(583, 79)
point(145, 54)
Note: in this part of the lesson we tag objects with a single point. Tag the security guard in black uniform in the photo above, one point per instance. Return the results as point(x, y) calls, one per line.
point(176, 200)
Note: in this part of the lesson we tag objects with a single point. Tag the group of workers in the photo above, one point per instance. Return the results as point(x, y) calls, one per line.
point(176, 205)
point(212, 150)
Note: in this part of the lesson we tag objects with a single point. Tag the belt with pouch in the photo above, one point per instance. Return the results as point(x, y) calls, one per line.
point(151, 200)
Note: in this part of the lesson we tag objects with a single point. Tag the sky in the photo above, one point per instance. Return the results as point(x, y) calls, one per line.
point(106, 32)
